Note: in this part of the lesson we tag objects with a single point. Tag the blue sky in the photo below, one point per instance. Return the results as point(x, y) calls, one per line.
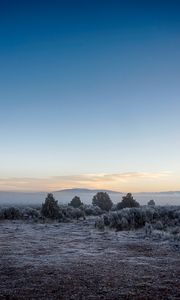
point(90, 89)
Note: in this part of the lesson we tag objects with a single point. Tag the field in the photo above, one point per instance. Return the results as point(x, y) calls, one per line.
point(75, 260)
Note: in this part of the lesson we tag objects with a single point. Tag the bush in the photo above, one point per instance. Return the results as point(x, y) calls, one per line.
point(76, 202)
point(91, 210)
point(50, 208)
point(11, 213)
point(99, 223)
point(160, 218)
point(127, 201)
point(172, 235)
point(1, 214)
point(30, 213)
point(102, 200)
point(158, 225)
point(75, 213)
point(151, 203)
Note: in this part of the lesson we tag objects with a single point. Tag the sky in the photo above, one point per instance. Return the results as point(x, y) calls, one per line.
point(90, 95)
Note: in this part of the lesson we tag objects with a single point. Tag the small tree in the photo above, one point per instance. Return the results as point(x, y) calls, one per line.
point(76, 202)
point(151, 203)
point(102, 200)
point(50, 208)
point(127, 201)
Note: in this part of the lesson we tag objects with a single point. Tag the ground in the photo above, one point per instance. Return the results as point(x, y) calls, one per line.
point(76, 261)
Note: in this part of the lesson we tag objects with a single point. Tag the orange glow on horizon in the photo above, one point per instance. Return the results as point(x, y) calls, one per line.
point(122, 182)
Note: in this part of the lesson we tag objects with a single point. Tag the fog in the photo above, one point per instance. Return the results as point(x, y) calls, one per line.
point(65, 196)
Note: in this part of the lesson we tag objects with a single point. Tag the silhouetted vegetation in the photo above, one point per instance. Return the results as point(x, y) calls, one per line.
point(11, 213)
point(127, 201)
point(158, 221)
point(50, 208)
point(151, 203)
point(102, 200)
point(76, 202)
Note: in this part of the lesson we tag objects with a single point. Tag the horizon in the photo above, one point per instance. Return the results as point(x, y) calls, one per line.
point(88, 189)
point(30, 198)
point(89, 95)
point(122, 182)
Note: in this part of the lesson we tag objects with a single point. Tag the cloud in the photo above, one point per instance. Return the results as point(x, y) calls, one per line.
point(116, 181)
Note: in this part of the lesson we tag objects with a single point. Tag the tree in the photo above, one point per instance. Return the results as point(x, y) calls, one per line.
point(50, 208)
point(102, 200)
point(127, 201)
point(151, 203)
point(76, 202)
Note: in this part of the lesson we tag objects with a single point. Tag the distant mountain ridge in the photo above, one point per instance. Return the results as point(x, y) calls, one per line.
point(85, 190)
point(86, 195)
point(111, 191)
point(79, 190)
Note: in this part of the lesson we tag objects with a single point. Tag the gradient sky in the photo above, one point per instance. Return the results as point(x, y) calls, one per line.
point(90, 95)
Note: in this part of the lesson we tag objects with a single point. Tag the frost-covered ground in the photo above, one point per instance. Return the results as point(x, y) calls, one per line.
point(76, 261)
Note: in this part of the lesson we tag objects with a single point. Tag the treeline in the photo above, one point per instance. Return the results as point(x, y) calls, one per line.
point(125, 215)
point(101, 203)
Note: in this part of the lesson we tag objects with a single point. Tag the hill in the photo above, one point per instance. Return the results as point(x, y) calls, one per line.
point(86, 195)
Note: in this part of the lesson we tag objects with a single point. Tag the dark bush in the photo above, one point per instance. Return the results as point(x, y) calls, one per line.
point(30, 213)
point(76, 202)
point(89, 210)
point(151, 203)
point(50, 208)
point(127, 201)
point(106, 220)
point(102, 200)
point(12, 213)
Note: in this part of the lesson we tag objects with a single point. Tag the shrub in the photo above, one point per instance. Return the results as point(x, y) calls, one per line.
point(160, 218)
point(69, 212)
point(106, 220)
point(30, 213)
point(151, 203)
point(99, 223)
point(50, 208)
point(12, 213)
point(89, 210)
point(123, 224)
point(114, 219)
point(158, 225)
point(78, 213)
point(171, 235)
point(148, 229)
point(127, 201)
point(102, 200)
point(1, 214)
point(76, 202)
